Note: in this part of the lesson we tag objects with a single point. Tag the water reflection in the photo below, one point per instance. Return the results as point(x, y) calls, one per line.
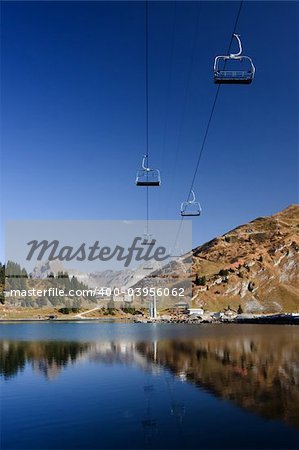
point(48, 358)
point(256, 372)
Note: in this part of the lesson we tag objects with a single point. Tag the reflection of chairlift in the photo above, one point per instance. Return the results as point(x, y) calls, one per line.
point(223, 76)
point(191, 207)
point(150, 429)
point(149, 424)
point(148, 388)
point(178, 409)
point(147, 176)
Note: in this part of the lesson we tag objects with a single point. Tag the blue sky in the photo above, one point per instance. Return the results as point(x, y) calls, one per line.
point(73, 114)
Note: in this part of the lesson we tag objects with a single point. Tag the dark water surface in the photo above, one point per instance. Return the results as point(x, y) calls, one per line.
point(136, 386)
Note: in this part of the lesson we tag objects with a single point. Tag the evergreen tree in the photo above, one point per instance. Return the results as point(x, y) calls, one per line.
point(2, 274)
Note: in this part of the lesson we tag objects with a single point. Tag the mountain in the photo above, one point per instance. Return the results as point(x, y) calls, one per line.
point(107, 278)
point(255, 265)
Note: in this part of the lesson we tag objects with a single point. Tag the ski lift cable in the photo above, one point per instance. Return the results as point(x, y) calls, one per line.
point(186, 94)
point(169, 81)
point(146, 77)
point(208, 124)
point(146, 109)
point(187, 90)
point(213, 107)
point(146, 176)
point(152, 175)
point(168, 89)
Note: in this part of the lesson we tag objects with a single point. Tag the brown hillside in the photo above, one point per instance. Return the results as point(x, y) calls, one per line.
point(255, 265)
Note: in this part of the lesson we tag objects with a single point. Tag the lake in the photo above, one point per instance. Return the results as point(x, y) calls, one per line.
point(159, 386)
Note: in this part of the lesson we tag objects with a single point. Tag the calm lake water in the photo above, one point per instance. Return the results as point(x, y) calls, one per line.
point(135, 386)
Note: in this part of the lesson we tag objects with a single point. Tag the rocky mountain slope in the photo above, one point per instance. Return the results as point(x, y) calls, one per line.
point(256, 265)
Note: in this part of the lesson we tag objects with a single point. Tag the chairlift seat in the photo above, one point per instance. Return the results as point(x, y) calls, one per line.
point(190, 209)
point(233, 77)
point(148, 177)
point(148, 242)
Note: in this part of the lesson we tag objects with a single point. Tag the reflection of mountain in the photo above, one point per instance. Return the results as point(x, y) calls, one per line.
point(256, 373)
point(256, 370)
point(49, 358)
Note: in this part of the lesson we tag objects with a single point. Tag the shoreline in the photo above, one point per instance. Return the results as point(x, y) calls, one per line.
point(277, 319)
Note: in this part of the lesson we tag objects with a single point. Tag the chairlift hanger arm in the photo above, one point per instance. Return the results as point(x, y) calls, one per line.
point(193, 197)
point(145, 158)
point(237, 55)
point(190, 201)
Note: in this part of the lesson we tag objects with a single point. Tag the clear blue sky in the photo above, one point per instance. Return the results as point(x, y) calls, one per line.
point(73, 115)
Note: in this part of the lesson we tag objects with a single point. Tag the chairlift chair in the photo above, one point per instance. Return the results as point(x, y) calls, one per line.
point(223, 76)
point(147, 176)
point(178, 409)
point(191, 207)
point(148, 239)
